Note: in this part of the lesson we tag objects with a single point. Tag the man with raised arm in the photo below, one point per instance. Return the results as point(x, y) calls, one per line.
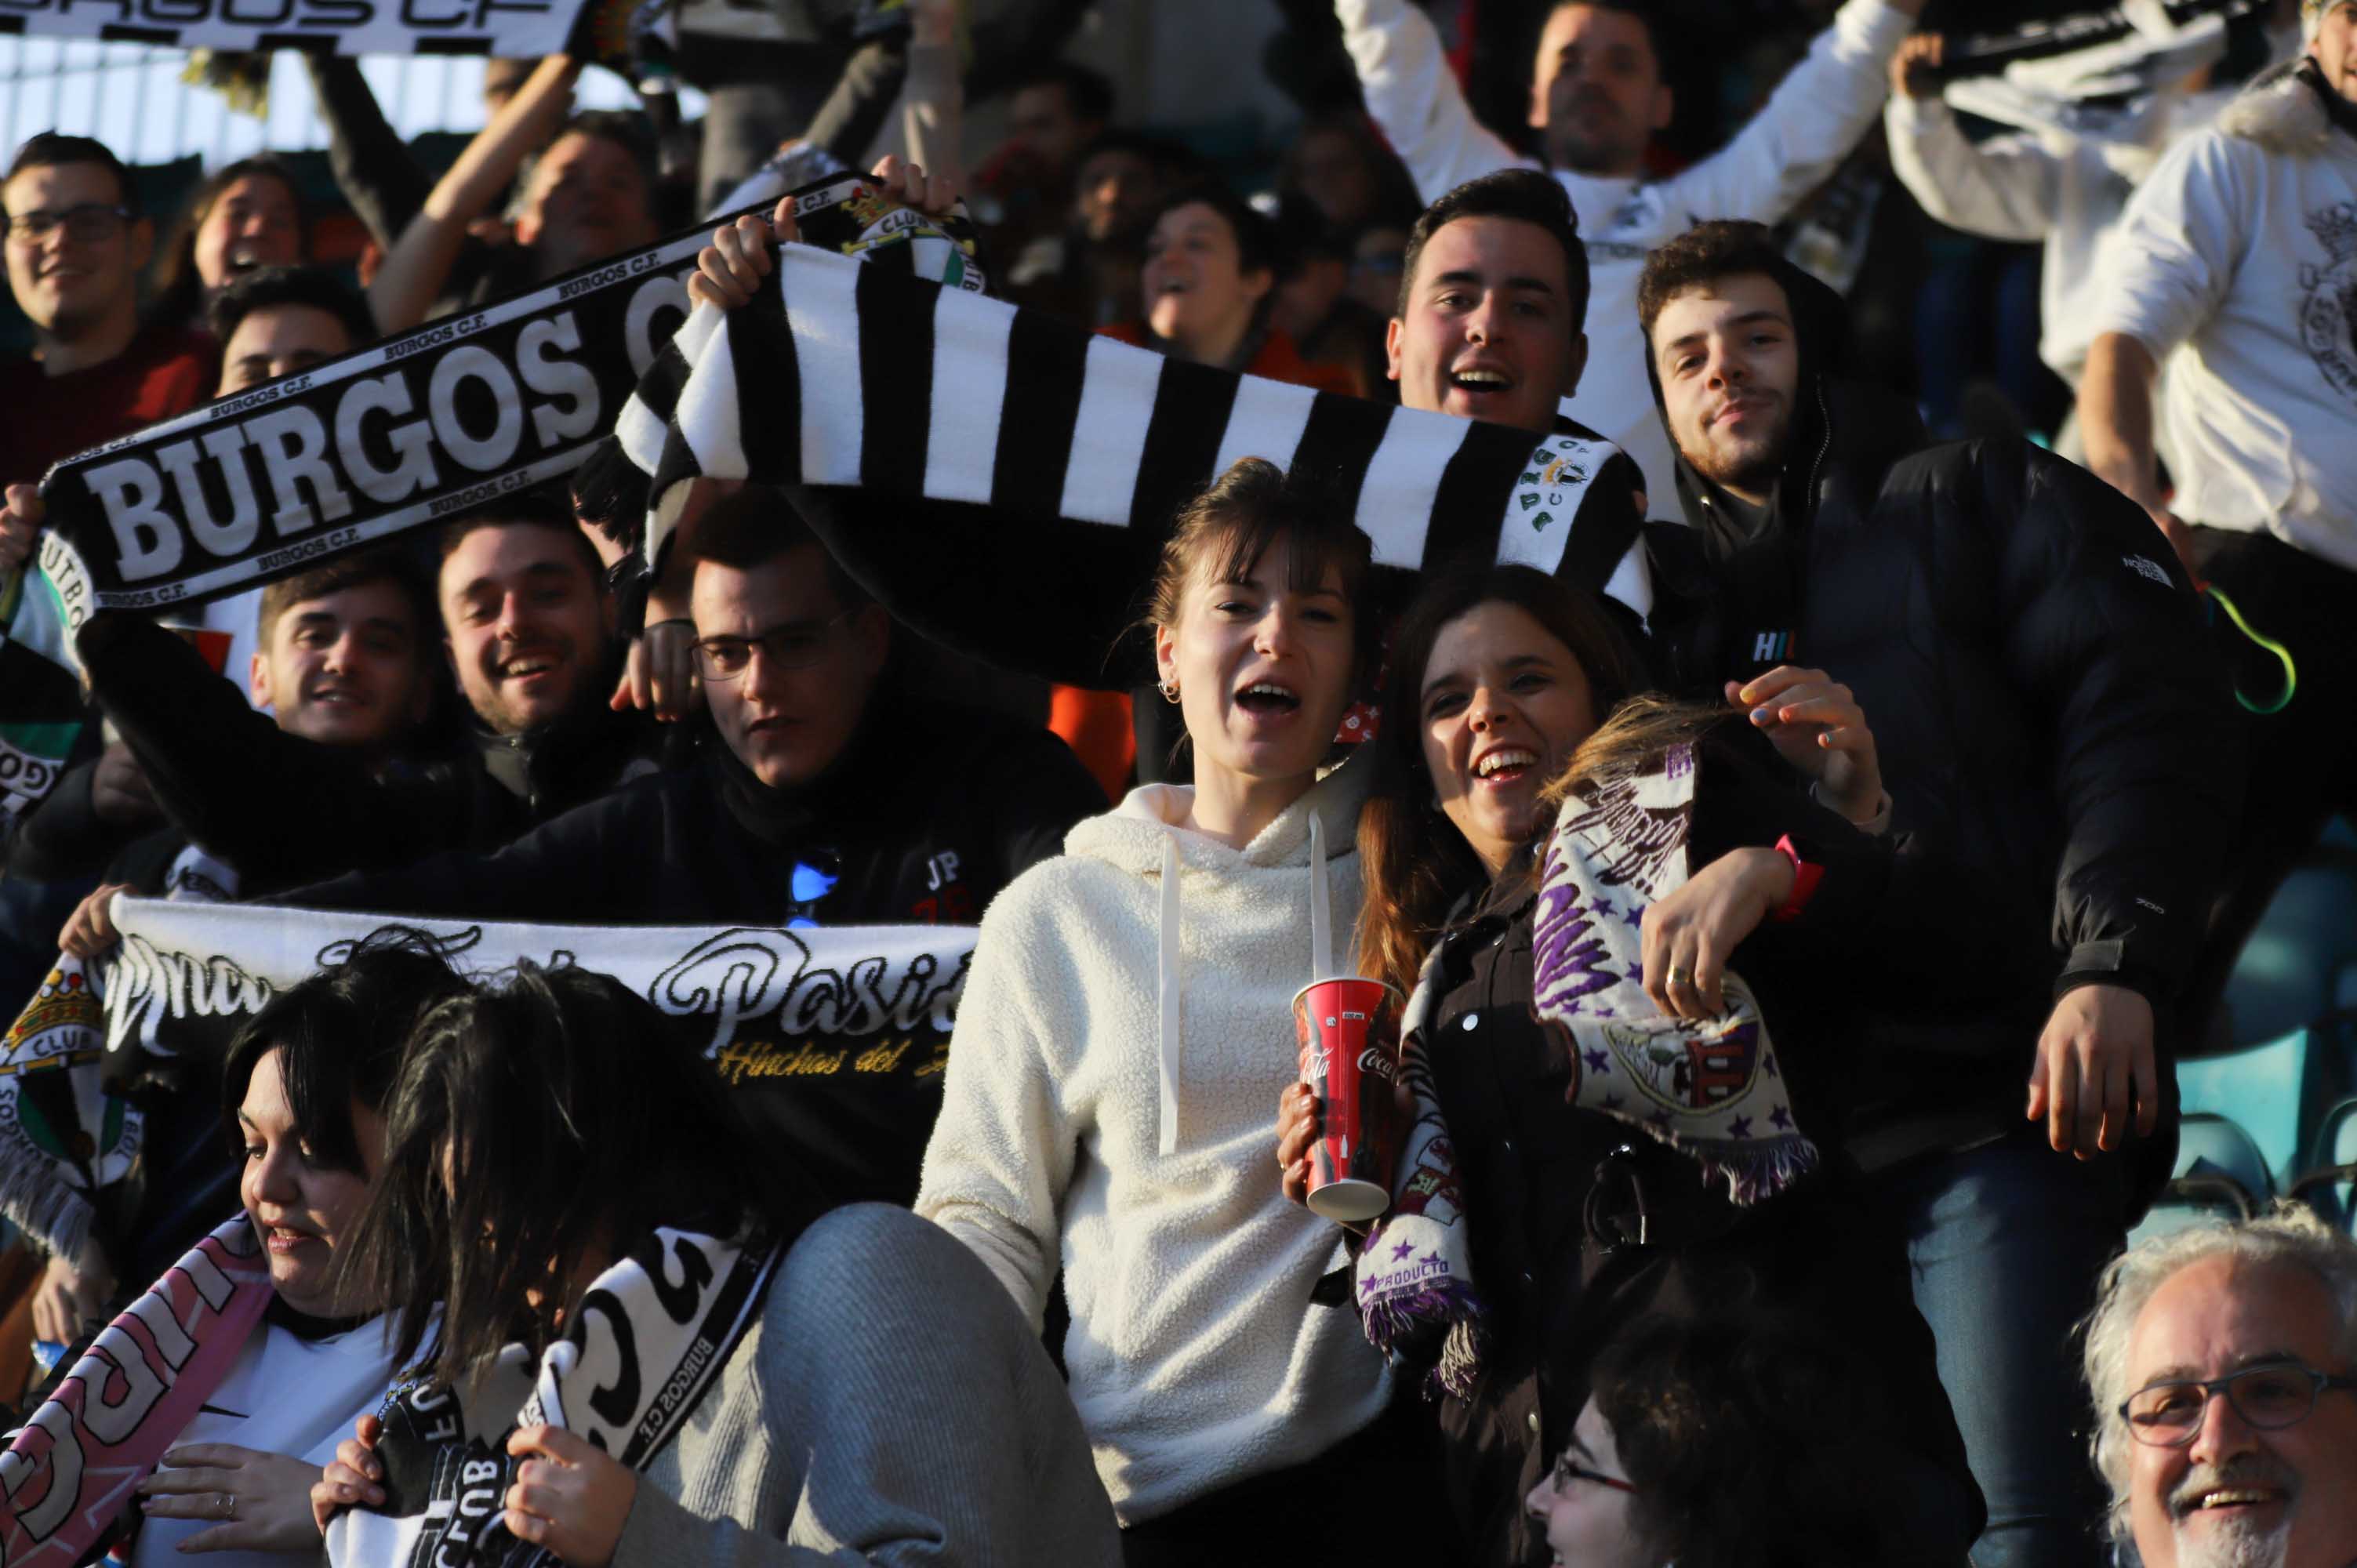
point(2241, 250)
point(1598, 98)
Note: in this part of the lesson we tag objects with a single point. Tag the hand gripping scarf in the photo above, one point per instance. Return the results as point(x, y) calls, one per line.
point(69, 1470)
point(1709, 1089)
point(643, 1346)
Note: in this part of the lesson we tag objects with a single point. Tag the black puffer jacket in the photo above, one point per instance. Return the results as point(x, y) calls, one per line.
point(2030, 658)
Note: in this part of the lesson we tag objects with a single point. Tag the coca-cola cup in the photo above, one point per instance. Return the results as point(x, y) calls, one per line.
point(1349, 1029)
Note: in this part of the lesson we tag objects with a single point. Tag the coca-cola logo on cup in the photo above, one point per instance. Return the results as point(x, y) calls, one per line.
point(1374, 1060)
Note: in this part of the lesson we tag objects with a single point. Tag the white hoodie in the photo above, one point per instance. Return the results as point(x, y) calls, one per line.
point(1197, 1358)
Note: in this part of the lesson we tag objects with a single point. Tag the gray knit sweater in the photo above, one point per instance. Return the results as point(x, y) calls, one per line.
point(889, 1407)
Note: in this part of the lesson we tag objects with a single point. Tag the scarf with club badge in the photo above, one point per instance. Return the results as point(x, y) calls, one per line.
point(643, 1346)
point(1710, 1089)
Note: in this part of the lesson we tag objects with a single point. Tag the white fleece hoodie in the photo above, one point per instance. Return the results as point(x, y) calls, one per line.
point(1196, 1356)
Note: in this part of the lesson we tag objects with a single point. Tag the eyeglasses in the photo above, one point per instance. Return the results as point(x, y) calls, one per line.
point(2269, 1397)
point(1566, 1471)
point(89, 222)
point(795, 646)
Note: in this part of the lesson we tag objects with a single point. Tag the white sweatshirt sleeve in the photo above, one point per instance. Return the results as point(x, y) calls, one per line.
point(1002, 1149)
point(2177, 250)
point(2007, 187)
point(1809, 124)
point(1414, 99)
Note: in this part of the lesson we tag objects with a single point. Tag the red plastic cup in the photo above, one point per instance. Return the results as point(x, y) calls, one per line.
point(1349, 1030)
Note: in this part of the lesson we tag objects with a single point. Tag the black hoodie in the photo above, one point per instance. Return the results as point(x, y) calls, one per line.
point(282, 811)
point(2028, 654)
point(926, 815)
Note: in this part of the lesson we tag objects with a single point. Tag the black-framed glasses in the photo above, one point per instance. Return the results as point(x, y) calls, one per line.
point(88, 222)
point(797, 645)
point(2271, 1396)
point(1567, 1469)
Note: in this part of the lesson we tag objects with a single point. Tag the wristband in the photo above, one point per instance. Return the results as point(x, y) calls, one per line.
point(1805, 877)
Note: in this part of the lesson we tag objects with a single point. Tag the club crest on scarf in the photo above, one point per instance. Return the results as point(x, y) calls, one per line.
point(1710, 1087)
point(62, 1135)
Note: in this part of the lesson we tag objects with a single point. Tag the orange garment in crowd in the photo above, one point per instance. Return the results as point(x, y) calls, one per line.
point(1097, 725)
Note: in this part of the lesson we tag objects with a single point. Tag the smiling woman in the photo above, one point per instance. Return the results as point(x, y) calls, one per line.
point(305, 1086)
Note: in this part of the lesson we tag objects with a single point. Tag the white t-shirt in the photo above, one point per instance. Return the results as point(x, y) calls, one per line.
point(284, 1395)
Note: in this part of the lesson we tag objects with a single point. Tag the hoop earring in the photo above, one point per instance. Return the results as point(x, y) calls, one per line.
point(1169, 689)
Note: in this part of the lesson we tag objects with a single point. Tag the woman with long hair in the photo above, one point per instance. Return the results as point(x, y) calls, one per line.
point(245, 216)
point(651, 1349)
point(303, 1089)
point(1128, 1021)
point(1509, 692)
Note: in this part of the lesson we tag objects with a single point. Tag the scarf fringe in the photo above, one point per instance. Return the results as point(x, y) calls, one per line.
point(1756, 1174)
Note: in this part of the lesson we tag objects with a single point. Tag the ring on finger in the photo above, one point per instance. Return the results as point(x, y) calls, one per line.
point(1676, 975)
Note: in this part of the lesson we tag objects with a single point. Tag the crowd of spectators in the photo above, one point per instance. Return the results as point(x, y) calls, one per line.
point(1932, 412)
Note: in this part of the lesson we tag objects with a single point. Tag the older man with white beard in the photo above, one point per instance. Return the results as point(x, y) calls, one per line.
point(2220, 1360)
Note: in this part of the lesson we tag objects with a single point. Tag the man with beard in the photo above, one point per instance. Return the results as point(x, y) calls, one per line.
point(2033, 667)
point(1598, 98)
point(590, 196)
point(2223, 1365)
point(832, 791)
point(527, 628)
point(2242, 246)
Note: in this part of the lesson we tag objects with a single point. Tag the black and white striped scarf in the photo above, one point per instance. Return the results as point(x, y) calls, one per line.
point(965, 458)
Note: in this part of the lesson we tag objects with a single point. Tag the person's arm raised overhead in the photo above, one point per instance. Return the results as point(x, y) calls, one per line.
point(933, 97)
point(1818, 112)
point(374, 168)
point(2170, 263)
point(1411, 95)
point(2006, 188)
point(418, 265)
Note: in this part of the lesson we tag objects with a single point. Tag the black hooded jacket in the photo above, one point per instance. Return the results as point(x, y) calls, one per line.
point(2030, 656)
point(284, 811)
point(926, 815)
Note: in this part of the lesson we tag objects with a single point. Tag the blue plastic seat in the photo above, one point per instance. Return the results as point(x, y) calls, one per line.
point(2329, 1184)
point(2295, 968)
point(2221, 1174)
point(2267, 1092)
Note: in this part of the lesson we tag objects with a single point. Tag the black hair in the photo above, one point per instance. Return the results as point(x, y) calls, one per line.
point(624, 129)
point(533, 1124)
point(341, 1032)
point(50, 148)
point(1705, 254)
point(543, 505)
point(384, 564)
point(1168, 158)
point(1527, 196)
point(1755, 1444)
point(1647, 14)
point(1256, 246)
point(1088, 94)
point(754, 525)
point(314, 286)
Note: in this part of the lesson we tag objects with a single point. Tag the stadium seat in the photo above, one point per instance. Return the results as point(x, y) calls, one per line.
point(2220, 1174)
point(2297, 966)
point(2329, 1184)
point(2270, 1091)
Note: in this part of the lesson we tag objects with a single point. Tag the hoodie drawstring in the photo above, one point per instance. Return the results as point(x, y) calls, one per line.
point(1170, 980)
